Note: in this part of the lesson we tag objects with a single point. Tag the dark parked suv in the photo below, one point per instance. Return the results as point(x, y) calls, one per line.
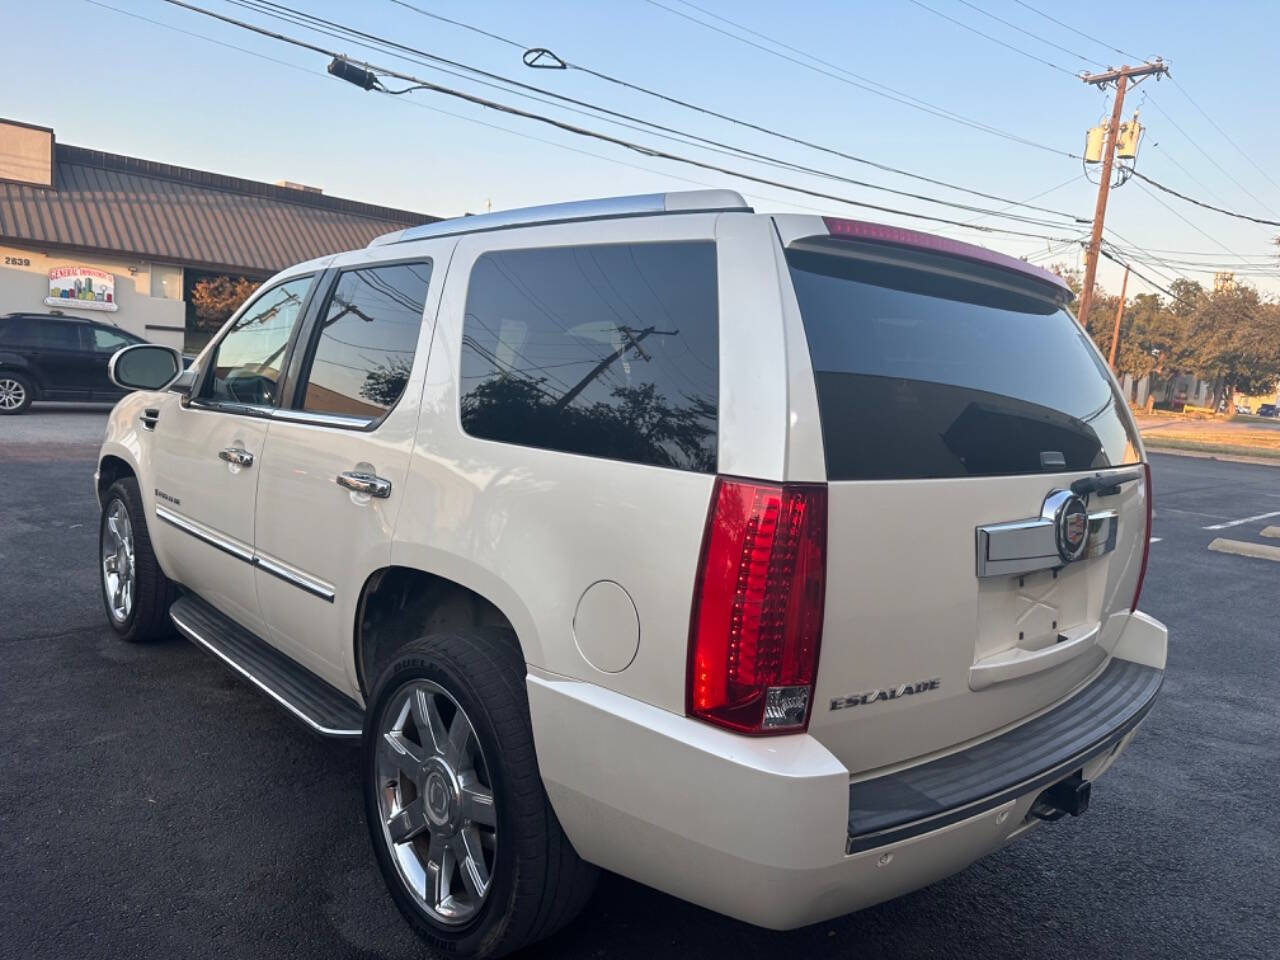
point(50, 357)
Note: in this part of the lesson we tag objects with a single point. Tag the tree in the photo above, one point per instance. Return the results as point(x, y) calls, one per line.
point(1235, 341)
point(215, 299)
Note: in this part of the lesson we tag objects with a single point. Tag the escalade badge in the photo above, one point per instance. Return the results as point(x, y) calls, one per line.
point(1071, 526)
point(892, 693)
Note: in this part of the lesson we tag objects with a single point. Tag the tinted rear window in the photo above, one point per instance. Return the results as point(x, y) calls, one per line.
point(924, 374)
point(608, 351)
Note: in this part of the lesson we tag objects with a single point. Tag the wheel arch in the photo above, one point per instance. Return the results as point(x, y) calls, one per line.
point(399, 604)
point(110, 469)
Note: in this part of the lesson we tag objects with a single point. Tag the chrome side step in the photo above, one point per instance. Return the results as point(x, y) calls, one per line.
point(312, 700)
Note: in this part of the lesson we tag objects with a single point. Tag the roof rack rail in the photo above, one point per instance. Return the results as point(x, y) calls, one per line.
point(643, 205)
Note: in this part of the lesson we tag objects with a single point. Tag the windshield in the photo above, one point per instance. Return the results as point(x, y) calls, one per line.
point(923, 373)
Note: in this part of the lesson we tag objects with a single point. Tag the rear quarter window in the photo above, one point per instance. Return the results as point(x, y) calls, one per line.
point(607, 351)
point(925, 373)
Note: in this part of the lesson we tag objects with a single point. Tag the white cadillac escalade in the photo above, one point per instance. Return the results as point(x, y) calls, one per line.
point(782, 563)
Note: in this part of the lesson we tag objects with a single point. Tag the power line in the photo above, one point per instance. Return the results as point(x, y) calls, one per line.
point(842, 75)
point(1036, 196)
point(1203, 233)
point(1033, 36)
point(1208, 156)
point(583, 131)
point(986, 36)
point(627, 84)
point(343, 32)
point(1201, 203)
point(1147, 280)
point(1226, 136)
point(449, 113)
point(1081, 33)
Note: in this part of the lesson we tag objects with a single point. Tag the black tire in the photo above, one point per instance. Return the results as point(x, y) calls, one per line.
point(153, 593)
point(16, 382)
point(539, 883)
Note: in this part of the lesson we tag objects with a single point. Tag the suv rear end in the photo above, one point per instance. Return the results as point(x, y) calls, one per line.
point(914, 628)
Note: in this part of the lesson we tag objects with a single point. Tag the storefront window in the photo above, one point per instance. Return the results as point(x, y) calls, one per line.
point(166, 282)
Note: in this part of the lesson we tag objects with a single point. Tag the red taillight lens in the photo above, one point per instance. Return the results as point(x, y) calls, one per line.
point(1146, 537)
point(757, 609)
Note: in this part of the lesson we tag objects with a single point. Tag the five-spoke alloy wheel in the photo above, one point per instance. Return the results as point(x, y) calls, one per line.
point(435, 801)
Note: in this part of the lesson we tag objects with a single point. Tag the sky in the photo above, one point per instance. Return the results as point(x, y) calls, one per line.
point(211, 96)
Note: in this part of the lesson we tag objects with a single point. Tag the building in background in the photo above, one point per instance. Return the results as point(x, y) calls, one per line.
point(124, 240)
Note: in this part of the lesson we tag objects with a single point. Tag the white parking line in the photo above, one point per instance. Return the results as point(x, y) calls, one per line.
point(1243, 548)
point(1156, 539)
point(1236, 523)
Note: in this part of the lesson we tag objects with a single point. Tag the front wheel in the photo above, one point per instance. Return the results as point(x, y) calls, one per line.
point(135, 591)
point(462, 828)
point(16, 393)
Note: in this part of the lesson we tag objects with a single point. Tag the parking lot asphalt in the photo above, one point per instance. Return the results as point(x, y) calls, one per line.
point(153, 806)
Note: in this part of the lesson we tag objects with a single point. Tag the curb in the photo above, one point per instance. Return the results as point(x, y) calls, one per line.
point(1211, 453)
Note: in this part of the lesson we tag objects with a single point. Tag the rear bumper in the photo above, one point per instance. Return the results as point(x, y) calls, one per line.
point(771, 830)
point(1023, 760)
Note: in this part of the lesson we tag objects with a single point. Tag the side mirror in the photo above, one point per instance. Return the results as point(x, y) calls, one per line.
point(145, 366)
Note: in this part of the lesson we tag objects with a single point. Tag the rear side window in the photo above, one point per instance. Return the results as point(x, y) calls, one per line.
point(366, 340)
point(607, 351)
point(927, 374)
point(35, 333)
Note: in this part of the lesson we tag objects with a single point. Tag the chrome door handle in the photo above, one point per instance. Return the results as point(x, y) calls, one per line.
point(374, 486)
point(237, 456)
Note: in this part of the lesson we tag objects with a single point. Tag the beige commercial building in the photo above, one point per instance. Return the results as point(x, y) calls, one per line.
point(121, 239)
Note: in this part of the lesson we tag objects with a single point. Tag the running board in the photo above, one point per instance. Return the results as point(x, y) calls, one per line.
point(312, 700)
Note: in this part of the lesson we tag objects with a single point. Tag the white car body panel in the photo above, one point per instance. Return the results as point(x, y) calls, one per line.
point(752, 827)
point(297, 483)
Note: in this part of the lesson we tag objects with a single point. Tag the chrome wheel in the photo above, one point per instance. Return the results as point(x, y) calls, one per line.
point(13, 393)
point(435, 801)
point(118, 561)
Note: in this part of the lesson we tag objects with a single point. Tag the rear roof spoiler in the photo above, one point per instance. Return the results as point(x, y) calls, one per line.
point(899, 236)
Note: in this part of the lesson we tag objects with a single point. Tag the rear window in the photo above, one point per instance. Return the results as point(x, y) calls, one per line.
point(929, 374)
point(607, 351)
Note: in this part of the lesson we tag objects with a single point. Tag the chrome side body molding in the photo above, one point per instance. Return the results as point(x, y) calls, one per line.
point(238, 550)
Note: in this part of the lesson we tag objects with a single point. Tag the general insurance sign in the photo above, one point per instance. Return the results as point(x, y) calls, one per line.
point(82, 288)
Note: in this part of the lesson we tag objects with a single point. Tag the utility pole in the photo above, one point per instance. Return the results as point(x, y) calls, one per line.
point(1115, 334)
point(632, 342)
point(1121, 79)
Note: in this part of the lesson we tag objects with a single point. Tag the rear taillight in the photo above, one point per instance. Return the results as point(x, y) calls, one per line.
point(1146, 536)
point(757, 608)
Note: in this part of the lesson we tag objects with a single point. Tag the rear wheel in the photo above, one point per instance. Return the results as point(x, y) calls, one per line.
point(16, 393)
point(464, 834)
point(135, 591)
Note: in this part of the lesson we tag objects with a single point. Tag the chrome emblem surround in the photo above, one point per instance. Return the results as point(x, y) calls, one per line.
point(1070, 523)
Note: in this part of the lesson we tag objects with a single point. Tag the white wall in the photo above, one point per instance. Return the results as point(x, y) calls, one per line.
point(23, 288)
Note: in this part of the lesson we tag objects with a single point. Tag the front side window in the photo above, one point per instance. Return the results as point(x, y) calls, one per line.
point(247, 363)
point(102, 340)
point(366, 340)
point(608, 351)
